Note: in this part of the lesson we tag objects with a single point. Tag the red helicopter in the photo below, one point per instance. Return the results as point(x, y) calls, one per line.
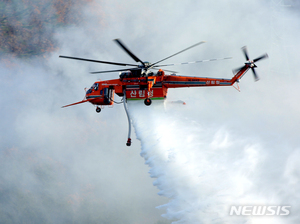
point(140, 83)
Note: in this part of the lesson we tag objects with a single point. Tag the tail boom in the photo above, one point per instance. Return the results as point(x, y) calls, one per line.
point(240, 73)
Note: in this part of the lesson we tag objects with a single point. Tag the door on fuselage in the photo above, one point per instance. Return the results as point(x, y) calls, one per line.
point(108, 94)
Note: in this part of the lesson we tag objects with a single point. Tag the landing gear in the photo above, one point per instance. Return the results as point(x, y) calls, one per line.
point(148, 101)
point(98, 109)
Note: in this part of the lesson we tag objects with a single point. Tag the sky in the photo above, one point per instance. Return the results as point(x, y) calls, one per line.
point(72, 165)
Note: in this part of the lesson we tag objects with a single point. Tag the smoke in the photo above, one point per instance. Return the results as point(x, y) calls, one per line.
point(56, 165)
point(204, 170)
point(28, 27)
point(227, 148)
point(62, 166)
point(222, 148)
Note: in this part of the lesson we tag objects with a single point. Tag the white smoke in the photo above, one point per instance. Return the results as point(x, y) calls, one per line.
point(204, 170)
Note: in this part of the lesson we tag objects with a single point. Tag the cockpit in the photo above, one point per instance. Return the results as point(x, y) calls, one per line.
point(93, 87)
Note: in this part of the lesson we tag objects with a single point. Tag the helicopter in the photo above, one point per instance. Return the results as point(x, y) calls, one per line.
point(139, 82)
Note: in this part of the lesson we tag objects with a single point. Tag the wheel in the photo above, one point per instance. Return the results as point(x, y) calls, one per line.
point(147, 101)
point(98, 109)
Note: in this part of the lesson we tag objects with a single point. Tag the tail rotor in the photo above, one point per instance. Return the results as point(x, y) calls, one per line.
point(250, 63)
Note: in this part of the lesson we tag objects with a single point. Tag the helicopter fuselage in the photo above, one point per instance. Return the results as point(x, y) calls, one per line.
point(153, 87)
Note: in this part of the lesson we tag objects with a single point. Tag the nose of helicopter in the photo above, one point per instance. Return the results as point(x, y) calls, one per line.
point(88, 92)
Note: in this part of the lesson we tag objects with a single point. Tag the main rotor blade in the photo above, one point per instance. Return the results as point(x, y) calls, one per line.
point(261, 57)
point(179, 52)
point(128, 51)
point(244, 49)
point(254, 74)
point(91, 60)
point(119, 70)
point(192, 62)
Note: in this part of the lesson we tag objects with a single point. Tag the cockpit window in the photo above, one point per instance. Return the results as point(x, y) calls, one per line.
point(95, 86)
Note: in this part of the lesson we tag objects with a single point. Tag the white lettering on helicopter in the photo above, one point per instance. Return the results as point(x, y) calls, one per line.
point(133, 93)
point(106, 84)
point(212, 82)
point(141, 93)
point(150, 94)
